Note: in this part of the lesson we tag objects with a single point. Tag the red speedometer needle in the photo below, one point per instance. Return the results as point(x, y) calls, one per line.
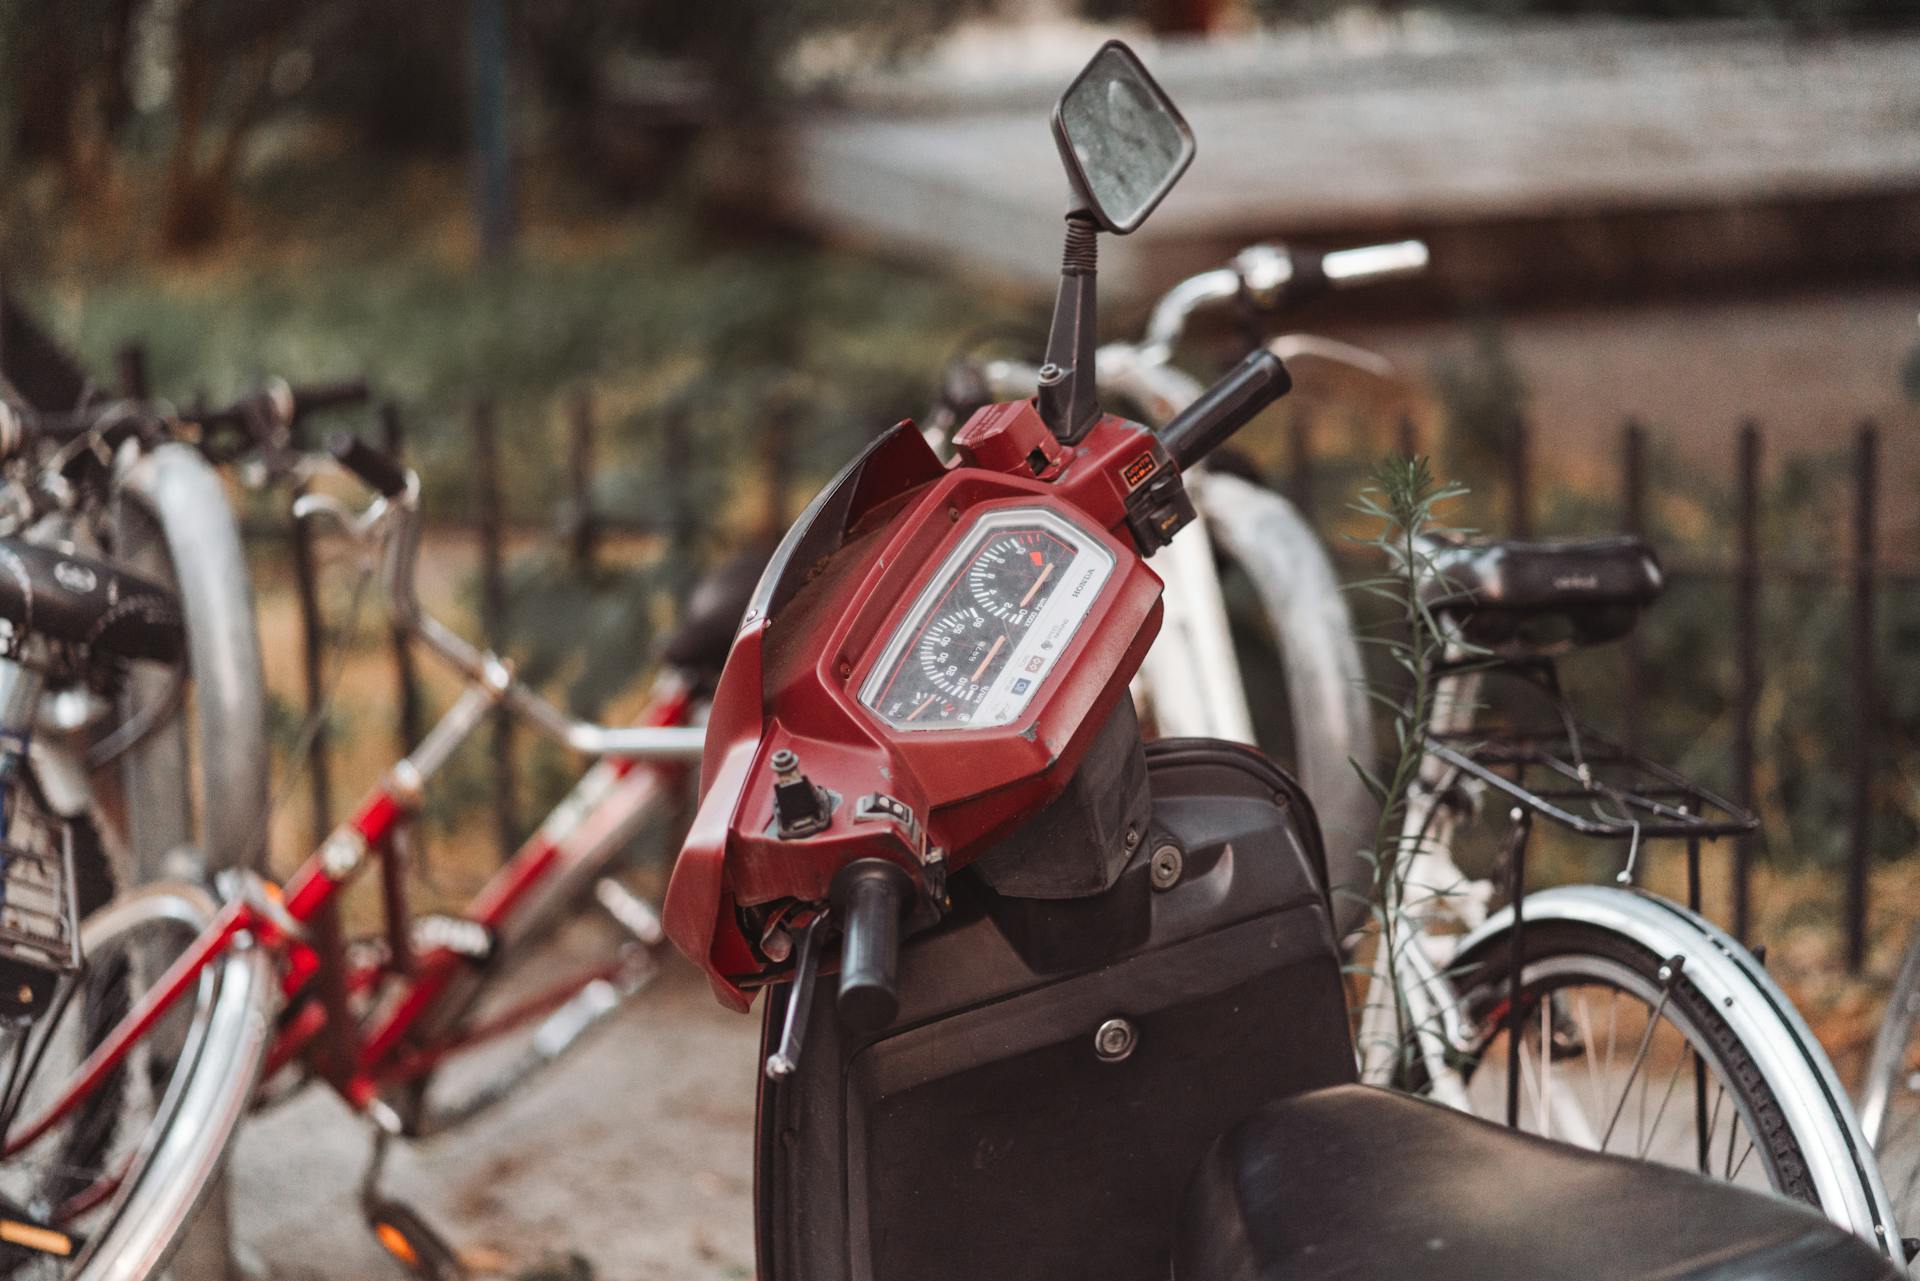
point(998, 641)
point(1038, 583)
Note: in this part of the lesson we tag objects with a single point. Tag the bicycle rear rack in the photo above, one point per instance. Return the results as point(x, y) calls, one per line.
point(39, 928)
point(1594, 786)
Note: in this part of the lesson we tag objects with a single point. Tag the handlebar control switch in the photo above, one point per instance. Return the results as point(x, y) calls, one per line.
point(799, 807)
point(871, 897)
point(1158, 510)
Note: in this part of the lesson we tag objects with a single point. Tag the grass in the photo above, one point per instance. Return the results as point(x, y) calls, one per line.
point(649, 309)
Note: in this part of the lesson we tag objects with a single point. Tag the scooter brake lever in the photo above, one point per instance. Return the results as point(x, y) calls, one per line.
point(782, 1063)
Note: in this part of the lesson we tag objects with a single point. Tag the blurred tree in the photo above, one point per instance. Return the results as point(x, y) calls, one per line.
point(395, 74)
point(64, 83)
point(699, 64)
point(225, 53)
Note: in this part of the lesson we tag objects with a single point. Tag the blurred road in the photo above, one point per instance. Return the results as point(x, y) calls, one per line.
point(635, 1154)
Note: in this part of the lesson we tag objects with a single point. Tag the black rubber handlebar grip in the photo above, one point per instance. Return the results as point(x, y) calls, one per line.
point(1225, 408)
point(871, 896)
point(322, 396)
point(369, 464)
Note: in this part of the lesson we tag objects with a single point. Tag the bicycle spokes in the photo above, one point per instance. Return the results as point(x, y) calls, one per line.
point(1610, 1071)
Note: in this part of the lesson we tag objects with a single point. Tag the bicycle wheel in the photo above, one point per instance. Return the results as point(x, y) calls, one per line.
point(1648, 1033)
point(104, 1194)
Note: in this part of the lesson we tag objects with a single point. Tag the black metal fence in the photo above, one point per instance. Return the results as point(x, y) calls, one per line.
point(1752, 569)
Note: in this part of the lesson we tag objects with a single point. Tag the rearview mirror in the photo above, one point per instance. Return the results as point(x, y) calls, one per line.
point(1122, 140)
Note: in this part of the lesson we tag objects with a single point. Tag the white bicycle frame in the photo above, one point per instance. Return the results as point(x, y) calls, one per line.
point(1190, 683)
point(1416, 997)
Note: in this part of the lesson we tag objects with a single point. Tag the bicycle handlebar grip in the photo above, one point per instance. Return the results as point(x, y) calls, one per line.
point(378, 471)
point(871, 896)
point(1369, 264)
point(1226, 407)
point(321, 396)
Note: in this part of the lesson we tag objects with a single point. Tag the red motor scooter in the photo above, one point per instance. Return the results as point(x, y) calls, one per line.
point(1066, 959)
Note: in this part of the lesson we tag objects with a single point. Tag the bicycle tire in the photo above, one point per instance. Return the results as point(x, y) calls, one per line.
point(162, 1181)
point(1313, 630)
point(1728, 1010)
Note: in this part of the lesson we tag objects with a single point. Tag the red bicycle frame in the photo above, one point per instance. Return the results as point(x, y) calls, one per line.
point(396, 1045)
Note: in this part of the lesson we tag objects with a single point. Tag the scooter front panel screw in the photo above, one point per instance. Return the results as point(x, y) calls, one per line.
point(1114, 1040)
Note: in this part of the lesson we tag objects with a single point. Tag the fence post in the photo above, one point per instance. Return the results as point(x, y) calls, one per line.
point(493, 615)
point(584, 531)
point(312, 642)
point(1866, 467)
point(1633, 517)
point(406, 680)
point(1520, 479)
point(130, 364)
point(683, 519)
point(1746, 633)
point(779, 447)
point(1300, 460)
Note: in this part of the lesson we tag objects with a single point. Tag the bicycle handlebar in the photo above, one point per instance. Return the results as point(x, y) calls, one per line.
point(1273, 277)
point(260, 416)
point(394, 520)
point(374, 469)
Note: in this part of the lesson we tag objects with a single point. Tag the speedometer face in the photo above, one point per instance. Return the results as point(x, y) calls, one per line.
point(1009, 579)
point(988, 627)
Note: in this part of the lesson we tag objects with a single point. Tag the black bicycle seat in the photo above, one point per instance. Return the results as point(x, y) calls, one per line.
point(88, 603)
point(1359, 1183)
point(711, 616)
point(1517, 596)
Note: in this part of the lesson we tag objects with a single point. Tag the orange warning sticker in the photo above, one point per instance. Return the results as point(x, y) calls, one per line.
point(1136, 472)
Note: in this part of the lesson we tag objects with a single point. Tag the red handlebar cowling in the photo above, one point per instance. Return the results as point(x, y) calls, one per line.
point(793, 673)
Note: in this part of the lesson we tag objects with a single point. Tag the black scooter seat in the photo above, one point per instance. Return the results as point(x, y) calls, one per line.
point(1362, 1184)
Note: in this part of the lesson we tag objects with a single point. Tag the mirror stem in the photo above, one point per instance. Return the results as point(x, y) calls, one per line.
point(1069, 401)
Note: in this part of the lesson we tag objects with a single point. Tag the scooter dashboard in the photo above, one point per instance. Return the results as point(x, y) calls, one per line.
point(989, 624)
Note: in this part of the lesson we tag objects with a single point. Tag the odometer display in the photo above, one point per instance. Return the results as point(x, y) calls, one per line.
point(990, 624)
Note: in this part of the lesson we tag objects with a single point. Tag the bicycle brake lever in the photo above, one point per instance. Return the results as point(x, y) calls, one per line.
point(1290, 347)
point(785, 1059)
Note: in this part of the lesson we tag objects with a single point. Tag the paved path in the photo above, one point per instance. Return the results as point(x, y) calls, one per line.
point(636, 1154)
point(1430, 126)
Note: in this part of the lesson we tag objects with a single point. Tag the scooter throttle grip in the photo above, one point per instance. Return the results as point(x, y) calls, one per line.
point(871, 896)
point(1225, 408)
point(379, 472)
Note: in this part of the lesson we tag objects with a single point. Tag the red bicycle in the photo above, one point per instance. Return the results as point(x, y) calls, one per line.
point(142, 1037)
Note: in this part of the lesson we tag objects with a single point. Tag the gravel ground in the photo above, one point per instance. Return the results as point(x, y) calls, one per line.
point(635, 1153)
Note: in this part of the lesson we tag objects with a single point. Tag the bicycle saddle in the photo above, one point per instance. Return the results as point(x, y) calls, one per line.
point(1535, 597)
point(1357, 1183)
point(89, 603)
point(713, 612)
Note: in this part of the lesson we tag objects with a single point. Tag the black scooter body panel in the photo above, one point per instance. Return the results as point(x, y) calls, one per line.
point(981, 1135)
